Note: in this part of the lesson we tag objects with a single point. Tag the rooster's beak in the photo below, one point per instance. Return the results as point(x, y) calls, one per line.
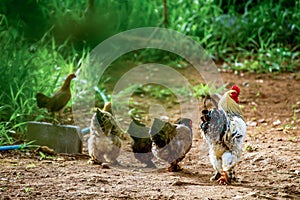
point(231, 91)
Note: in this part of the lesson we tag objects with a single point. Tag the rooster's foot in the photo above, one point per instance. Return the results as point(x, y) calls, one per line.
point(175, 168)
point(94, 162)
point(105, 166)
point(224, 179)
point(215, 177)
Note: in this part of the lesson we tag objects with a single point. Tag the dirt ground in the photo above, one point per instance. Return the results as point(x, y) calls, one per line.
point(269, 169)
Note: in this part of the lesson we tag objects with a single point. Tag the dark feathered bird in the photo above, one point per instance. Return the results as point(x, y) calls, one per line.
point(58, 100)
point(104, 142)
point(171, 141)
point(224, 129)
point(142, 143)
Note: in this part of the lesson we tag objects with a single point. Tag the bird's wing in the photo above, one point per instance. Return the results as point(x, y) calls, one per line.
point(215, 126)
point(184, 138)
point(104, 121)
point(59, 100)
point(236, 133)
point(162, 132)
point(42, 100)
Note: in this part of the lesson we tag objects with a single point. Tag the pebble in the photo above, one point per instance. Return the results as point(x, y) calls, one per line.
point(250, 123)
point(277, 122)
point(261, 120)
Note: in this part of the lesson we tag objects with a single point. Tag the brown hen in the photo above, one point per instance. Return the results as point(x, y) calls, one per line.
point(58, 100)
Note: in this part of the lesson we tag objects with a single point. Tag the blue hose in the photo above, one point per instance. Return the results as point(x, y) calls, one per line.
point(12, 147)
point(85, 130)
point(101, 94)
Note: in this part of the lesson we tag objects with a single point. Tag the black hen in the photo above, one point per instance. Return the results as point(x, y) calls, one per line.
point(142, 143)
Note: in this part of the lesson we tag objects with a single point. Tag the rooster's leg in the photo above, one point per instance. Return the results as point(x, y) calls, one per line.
point(224, 179)
point(229, 161)
point(94, 162)
point(217, 165)
point(175, 167)
point(215, 177)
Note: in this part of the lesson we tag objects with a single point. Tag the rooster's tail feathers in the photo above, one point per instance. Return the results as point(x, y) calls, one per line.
point(208, 97)
point(42, 100)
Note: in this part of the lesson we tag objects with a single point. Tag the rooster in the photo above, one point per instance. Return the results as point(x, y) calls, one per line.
point(171, 141)
point(142, 143)
point(224, 129)
point(104, 142)
point(59, 99)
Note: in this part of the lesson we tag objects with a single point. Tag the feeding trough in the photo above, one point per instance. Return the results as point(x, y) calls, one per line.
point(61, 138)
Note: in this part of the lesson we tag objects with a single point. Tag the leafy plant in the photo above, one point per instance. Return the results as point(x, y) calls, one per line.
point(250, 148)
point(27, 190)
point(44, 156)
point(202, 90)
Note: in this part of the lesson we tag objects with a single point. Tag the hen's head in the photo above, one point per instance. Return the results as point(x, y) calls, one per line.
point(235, 93)
point(185, 121)
point(71, 76)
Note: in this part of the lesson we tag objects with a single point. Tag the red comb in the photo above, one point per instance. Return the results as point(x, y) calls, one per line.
point(235, 96)
point(236, 88)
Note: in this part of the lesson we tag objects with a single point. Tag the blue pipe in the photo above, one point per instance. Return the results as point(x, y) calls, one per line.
point(12, 147)
point(101, 94)
point(85, 130)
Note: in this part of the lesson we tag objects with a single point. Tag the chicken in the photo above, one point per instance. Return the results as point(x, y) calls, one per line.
point(104, 142)
point(224, 129)
point(59, 99)
point(142, 143)
point(171, 141)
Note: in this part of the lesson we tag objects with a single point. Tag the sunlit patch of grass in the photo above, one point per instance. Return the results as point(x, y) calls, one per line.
point(28, 190)
point(202, 90)
point(250, 148)
point(26, 70)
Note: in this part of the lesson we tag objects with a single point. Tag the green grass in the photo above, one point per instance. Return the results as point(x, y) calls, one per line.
point(27, 68)
point(43, 41)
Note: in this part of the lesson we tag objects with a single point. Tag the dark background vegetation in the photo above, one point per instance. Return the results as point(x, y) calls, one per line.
point(42, 41)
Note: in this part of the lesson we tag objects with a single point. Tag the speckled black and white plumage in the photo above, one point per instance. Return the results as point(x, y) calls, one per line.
point(224, 129)
point(171, 141)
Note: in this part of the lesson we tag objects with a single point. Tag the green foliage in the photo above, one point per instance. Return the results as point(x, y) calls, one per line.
point(251, 148)
point(266, 60)
point(202, 90)
point(43, 41)
point(27, 68)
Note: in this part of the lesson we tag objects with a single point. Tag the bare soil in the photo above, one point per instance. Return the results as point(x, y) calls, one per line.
point(270, 166)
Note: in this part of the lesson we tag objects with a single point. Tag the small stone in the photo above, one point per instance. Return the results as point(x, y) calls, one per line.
point(250, 123)
point(277, 122)
point(105, 166)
